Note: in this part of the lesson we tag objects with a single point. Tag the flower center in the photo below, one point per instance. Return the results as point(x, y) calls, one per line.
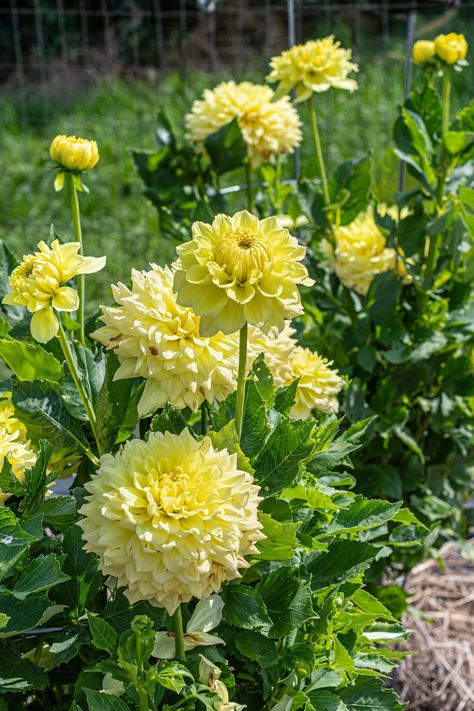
point(243, 252)
point(22, 273)
point(169, 490)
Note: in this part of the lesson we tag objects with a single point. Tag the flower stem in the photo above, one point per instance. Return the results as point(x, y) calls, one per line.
point(318, 150)
point(446, 100)
point(66, 348)
point(204, 418)
point(76, 221)
point(142, 692)
point(178, 634)
point(239, 408)
point(248, 172)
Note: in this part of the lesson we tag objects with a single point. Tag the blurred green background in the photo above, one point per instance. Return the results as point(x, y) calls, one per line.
point(104, 74)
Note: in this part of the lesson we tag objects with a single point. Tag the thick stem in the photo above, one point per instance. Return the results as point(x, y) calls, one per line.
point(248, 172)
point(178, 634)
point(142, 692)
point(78, 382)
point(239, 407)
point(318, 153)
point(76, 221)
point(446, 100)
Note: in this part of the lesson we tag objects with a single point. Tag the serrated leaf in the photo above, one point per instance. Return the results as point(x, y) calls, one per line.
point(362, 514)
point(23, 614)
point(367, 602)
point(258, 648)
point(280, 541)
point(91, 369)
point(226, 148)
point(326, 701)
point(42, 573)
point(287, 599)
point(59, 512)
point(103, 635)
point(171, 675)
point(244, 608)
point(112, 403)
point(29, 361)
point(17, 674)
point(96, 701)
point(370, 695)
point(14, 541)
point(343, 560)
point(226, 438)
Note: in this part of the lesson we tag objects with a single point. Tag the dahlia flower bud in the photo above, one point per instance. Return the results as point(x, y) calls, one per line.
point(39, 284)
point(315, 66)
point(159, 340)
point(423, 51)
point(15, 447)
point(241, 270)
point(171, 518)
point(76, 154)
point(361, 253)
point(451, 48)
point(268, 127)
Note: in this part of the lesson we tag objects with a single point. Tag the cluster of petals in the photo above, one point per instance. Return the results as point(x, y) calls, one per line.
point(315, 66)
point(14, 444)
point(423, 51)
point(318, 384)
point(156, 338)
point(241, 270)
point(38, 283)
point(75, 154)
point(171, 518)
point(268, 127)
point(361, 253)
point(451, 48)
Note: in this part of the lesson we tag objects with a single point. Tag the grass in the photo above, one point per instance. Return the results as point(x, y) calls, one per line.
point(117, 219)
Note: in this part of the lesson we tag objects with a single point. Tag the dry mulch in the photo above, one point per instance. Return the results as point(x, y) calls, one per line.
point(439, 676)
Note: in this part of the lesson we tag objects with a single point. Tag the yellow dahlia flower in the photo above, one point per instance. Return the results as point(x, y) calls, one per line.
point(451, 48)
point(423, 51)
point(171, 518)
point(268, 127)
point(14, 444)
point(318, 386)
point(361, 253)
point(39, 284)
point(73, 153)
point(315, 66)
point(159, 340)
point(241, 269)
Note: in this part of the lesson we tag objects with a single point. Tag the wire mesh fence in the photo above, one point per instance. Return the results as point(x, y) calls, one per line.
point(103, 68)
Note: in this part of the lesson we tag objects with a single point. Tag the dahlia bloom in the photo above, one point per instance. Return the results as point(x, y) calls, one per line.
point(319, 384)
point(171, 518)
point(451, 48)
point(39, 284)
point(268, 127)
point(73, 153)
point(361, 253)
point(14, 444)
point(423, 51)
point(159, 340)
point(315, 66)
point(241, 269)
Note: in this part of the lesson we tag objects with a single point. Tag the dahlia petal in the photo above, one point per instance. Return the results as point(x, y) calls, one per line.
point(44, 325)
point(66, 299)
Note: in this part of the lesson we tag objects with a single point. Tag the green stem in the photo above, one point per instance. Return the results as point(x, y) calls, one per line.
point(239, 408)
point(204, 418)
point(142, 692)
point(446, 100)
point(81, 285)
point(66, 348)
point(248, 172)
point(318, 150)
point(178, 635)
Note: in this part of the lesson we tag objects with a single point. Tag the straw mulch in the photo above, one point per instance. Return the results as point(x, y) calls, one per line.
point(439, 676)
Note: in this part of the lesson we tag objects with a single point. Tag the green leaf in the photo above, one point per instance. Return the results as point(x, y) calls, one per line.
point(343, 560)
point(338, 451)
point(457, 141)
point(14, 541)
point(254, 646)
point(42, 573)
point(103, 635)
point(362, 514)
point(326, 701)
point(383, 297)
point(45, 416)
point(104, 702)
point(370, 695)
point(59, 512)
point(29, 361)
point(367, 602)
point(350, 187)
point(170, 420)
point(287, 599)
point(226, 438)
point(17, 674)
point(91, 370)
point(244, 608)
point(9, 484)
point(289, 445)
point(171, 675)
point(280, 541)
point(82, 569)
point(286, 397)
point(112, 403)
point(226, 148)
point(23, 614)
point(36, 479)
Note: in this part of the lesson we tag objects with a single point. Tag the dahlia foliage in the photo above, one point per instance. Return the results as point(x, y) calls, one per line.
point(190, 518)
